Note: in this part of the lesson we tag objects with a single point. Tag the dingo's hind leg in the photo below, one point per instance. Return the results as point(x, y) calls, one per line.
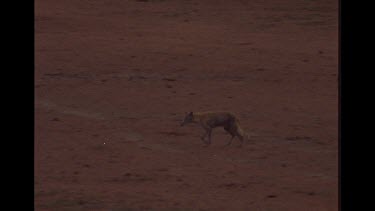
point(204, 136)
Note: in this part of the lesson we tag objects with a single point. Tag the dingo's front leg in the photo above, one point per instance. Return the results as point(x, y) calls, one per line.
point(209, 136)
point(241, 140)
point(207, 133)
point(204, 136)
point(230, 141)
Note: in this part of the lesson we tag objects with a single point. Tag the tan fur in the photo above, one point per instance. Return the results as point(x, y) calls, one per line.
point(210, 120)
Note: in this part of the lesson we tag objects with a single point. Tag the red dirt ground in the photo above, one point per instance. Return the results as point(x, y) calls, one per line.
point(114, 78)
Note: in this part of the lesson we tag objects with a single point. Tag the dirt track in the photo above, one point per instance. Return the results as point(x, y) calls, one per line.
point(114, 79)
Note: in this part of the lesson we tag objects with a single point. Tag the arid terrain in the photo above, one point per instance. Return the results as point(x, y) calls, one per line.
point(114, 78)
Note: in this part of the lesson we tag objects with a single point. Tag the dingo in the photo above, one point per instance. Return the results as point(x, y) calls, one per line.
point(210, 120)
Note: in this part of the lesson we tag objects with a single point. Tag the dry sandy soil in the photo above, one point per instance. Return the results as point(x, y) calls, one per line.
point(114, 78)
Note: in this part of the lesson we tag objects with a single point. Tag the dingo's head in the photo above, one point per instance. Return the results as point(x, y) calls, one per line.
point(188, 118)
